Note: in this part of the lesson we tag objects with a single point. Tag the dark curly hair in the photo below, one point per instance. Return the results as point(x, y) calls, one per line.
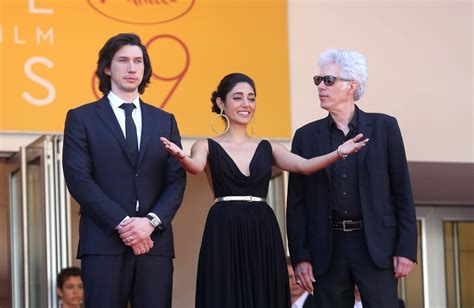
point(226, 85)
point(107, 53)
point(65, 274)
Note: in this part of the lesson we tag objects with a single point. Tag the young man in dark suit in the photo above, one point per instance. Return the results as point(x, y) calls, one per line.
point(355, 221)
point(127, 185)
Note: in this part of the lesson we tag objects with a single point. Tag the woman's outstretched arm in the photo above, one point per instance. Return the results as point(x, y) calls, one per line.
point(195, 163)
point(288, 161)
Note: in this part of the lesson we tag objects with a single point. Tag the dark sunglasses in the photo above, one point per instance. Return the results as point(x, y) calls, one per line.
point(328, 80)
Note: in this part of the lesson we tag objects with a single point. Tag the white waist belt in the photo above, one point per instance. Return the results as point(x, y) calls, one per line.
point(240, 198)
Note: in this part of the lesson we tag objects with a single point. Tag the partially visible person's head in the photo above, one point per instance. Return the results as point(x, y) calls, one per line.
point(69, 287)
point(105, 70)
point(341, 80)
point(295, 290)
point(226, 85)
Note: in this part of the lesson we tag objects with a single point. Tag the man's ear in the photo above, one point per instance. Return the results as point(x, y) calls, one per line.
point(353, 85)
point(107, 71)
point(60, 292)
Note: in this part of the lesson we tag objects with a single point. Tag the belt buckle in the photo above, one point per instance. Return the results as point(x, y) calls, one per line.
point(344, 226)
point(248, 198)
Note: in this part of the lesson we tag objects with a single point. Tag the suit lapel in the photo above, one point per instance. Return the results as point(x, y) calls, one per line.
point(105, 112)
point(365, 128)
point(322, 137)
point(148, 125)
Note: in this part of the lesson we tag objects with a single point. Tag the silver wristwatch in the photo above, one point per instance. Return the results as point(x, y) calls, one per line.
point(154, 220)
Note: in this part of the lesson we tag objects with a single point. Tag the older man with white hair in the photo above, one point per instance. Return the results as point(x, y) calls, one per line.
point(354, 222)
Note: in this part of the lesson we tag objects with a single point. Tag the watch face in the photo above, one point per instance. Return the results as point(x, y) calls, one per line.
point(154, 221)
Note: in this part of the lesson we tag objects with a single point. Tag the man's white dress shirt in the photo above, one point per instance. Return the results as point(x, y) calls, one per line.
point(300, 301)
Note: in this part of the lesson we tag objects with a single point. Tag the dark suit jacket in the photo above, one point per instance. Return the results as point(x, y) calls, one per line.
point(100, 175)
point(387, 203)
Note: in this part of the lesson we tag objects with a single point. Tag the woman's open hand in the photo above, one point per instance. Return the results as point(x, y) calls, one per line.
point(352, 145)
point(173, 149)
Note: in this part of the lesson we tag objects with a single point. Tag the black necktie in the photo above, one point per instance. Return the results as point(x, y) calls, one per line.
point(130, 130)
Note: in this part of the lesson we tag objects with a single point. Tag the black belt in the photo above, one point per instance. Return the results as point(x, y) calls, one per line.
point(348, 225)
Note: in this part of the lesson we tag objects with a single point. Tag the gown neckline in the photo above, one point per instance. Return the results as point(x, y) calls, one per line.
point(233, 161)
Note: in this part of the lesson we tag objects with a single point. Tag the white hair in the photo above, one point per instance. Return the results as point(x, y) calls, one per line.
point(352, 65)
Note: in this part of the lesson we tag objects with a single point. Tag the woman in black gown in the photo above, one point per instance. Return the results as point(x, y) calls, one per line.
point(242, 261)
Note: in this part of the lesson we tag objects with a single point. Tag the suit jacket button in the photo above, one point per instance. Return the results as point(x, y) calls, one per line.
point(136, 175)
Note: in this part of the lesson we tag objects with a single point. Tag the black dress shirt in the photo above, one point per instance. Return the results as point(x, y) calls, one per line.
point(344, 176)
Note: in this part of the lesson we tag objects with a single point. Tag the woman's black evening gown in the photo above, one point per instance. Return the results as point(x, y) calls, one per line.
point(242, 261)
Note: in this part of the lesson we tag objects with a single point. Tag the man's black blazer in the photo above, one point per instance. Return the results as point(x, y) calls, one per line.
point(387, 203)
point(102, 178)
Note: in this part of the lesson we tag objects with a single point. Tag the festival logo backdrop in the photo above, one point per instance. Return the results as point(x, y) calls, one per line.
point(49, 51)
